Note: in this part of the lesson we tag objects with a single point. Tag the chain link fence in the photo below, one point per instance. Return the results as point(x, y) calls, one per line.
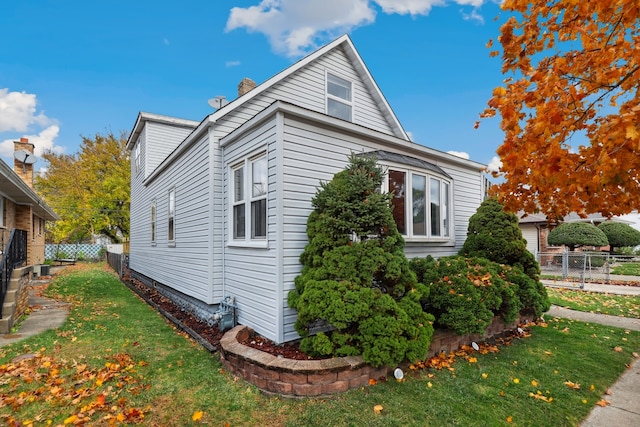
point(580, 267)
point(80, 251)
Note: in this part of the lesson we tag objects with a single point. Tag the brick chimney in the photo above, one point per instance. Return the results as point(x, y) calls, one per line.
point(23, 169)
point(245, 86)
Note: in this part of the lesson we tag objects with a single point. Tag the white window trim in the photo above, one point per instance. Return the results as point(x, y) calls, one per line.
point(408, 171)
point(138, 156)
point(329, 96)
point(171, 242)
point(246, 242)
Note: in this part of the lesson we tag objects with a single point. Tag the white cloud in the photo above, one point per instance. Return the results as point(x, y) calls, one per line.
point(43, 141)
point(229, 64)
point(411, 7)
point(474, 15)
point(495, 164)
point(295, 27)
point(461, 154)
point(18, 111)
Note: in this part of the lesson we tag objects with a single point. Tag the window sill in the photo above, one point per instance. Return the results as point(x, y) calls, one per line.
point(255, 244)
point(439, 241)
point(171, 244)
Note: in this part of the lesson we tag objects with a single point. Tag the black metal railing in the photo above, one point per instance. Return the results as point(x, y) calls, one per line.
point(14, 254)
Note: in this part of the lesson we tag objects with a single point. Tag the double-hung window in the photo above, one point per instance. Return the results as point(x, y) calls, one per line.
point(339, 97)
point(153, 221)
point(249, 199)
point(171, 236)
point(137, 156)
point(420, 203)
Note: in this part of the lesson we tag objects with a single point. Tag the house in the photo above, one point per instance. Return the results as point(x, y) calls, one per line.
point(535, 229)
point(219, 207)
point(22, 228)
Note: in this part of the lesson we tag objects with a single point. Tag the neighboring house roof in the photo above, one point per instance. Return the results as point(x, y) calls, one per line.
point(572, 217)
point(14, 188)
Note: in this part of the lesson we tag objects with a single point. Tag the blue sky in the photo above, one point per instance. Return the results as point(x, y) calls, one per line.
point(76, 68)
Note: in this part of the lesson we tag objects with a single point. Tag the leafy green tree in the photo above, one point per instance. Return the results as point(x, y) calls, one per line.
point(89, 190)
point(356, 286)
point(576, 234)
point(620, 235)
point(494, 234)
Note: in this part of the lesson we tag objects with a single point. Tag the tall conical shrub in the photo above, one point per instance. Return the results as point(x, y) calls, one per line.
point(356, 286)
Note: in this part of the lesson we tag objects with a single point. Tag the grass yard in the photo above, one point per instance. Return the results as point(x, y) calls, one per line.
point(627, 269)
point(117, 362)
point(595, 302)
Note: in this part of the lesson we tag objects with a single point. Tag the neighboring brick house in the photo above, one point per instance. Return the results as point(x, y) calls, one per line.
point(21, 207)
point(23, 215)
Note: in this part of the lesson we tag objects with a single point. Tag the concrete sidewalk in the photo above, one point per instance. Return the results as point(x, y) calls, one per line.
point(46, 313)
point(624, 407)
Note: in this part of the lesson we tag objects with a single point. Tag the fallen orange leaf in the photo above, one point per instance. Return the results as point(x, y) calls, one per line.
point(373, 381)
point(572, 385)
point(617, 349)
point(101, 399)
point(377, 409)
point(603, 403)
point(197, 416)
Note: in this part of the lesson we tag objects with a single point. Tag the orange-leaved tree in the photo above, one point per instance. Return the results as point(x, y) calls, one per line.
point(570, 107)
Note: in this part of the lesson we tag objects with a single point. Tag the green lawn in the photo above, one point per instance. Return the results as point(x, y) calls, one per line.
point(595, 302)
point(117, 362)
point(627, 269)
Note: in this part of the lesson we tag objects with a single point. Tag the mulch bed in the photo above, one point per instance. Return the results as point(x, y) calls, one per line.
point(207, 335)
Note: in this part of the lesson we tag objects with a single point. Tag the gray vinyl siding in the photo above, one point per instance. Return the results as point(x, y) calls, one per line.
point(312, 154)
point(161, 140)
point(250, 273)
point(306, 88)
point(186, 265)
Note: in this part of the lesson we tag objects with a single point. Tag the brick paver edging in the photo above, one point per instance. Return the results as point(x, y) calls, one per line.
point(310, 378)
point(293, 378)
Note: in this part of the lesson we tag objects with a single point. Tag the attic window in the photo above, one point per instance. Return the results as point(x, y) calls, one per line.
point(339, 97)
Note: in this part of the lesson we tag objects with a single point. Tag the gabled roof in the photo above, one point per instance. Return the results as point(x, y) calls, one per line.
point(350, 50)
point(20, 193)
point(157, 118)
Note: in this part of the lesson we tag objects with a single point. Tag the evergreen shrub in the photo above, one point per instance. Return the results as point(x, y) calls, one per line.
point(465, 294)
point(494, 234)
point(356, 293)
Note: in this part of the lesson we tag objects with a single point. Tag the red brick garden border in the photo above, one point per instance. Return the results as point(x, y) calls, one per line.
point(310, 378)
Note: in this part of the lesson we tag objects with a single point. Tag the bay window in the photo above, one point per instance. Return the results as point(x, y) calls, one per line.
point(422, 212)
